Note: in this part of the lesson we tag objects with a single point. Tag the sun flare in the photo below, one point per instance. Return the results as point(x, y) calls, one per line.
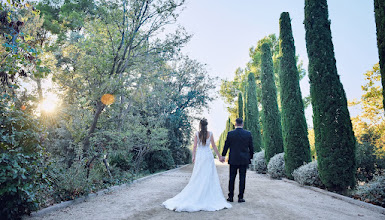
point(49, 103)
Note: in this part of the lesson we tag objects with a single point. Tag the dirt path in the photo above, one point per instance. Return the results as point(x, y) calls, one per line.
point(265, 199)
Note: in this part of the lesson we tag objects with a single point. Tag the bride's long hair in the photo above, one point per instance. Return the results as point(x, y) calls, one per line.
point(203, 131)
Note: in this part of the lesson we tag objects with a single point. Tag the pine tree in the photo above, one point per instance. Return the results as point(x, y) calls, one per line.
point(252, 113)
point(240, 105)
point(334, 137)
point(379, 12)
point(294, 128)
point(271, 121)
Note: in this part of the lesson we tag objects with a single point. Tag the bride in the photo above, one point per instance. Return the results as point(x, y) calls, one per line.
point(203, 192)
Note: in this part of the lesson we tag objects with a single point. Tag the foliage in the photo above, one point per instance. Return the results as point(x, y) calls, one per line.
point(258, 162)
point(229, 91)
point(379, 12)
point(252, 113)
point(240, 105)
point(307, 174)
point(294, 127)
point(20, 160)
point(19, 55)
point(334, 137)
point(230, 88)
point(96, 48)
point(369, 126)
point(159, 160)
point(271, 120)
point(373, 192)
point(70, 183)
point(311, 138)
point(366, 161)
point(121, 160)
point(223, 136)
point(276, 166)
point(17, 196)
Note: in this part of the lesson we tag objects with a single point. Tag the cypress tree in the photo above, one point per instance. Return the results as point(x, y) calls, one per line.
point(252, 113)
point(222, 138)
point(240, 105)
point(271, 121)
point(379, 12)
point(221, 142)
point(334, 137)
point(245, 108)
point(294, 128)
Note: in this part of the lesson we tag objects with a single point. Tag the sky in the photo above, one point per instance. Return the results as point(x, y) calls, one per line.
point(224, 30)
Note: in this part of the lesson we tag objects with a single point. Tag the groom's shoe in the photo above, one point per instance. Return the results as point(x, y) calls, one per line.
point(230, 199)
point(241, 200)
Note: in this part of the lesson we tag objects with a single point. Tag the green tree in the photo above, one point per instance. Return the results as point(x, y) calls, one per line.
point(252, 112)
point(370, 124)
point(334, 137)
point(379, 11)
point(229, 127)
point(240, 105)
point(294, 128)
point(271, 121)
point(230, 88)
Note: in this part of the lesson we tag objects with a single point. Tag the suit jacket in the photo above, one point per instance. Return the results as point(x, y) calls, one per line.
point(240, 143)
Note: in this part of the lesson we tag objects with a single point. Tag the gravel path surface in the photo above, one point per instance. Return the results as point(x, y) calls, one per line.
point(265, 199)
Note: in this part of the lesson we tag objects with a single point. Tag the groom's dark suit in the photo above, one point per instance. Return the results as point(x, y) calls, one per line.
point(240, 143)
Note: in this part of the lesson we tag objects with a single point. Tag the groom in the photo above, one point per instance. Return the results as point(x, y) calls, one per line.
point(240, 143)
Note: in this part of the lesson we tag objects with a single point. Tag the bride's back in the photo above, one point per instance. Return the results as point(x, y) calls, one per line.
point(200, 143)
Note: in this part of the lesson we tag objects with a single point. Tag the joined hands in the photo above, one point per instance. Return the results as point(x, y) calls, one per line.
point(221, 159)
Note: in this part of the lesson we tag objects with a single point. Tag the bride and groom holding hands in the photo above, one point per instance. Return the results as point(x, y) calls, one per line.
point(203, 192)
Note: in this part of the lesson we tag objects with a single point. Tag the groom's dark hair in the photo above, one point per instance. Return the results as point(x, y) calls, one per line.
point(239, 121)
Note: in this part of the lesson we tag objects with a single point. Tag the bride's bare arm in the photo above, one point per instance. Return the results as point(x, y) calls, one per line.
point(214, 146)
point(195, 148)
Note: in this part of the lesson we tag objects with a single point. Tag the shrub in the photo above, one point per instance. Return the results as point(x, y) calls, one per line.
point(308, 175)
point(276, 166)
point(70, 183)
point(20, 160)
point(259, 163)
point(160, 159)
point(121, 160)
point(372, 192)
point(366, 160)
point(17, 196)
point(182, 155)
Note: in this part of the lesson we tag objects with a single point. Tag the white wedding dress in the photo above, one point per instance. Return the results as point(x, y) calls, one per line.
point(203, 192)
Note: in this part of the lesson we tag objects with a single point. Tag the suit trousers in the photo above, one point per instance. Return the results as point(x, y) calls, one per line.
point(242, 180)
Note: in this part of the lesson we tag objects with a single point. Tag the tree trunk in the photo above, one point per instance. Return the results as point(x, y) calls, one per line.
point(107, 167)
point(86, 143)
point(39, 90)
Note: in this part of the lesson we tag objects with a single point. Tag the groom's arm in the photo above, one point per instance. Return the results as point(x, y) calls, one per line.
point(226, 147)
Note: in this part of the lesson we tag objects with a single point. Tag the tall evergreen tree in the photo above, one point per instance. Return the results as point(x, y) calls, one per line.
point(252, 113)
point(379, 11)
point(271, 121)
point(294, 128)
point(245, 108)
point(240, 105)
point(223, 136)
point(334, 137)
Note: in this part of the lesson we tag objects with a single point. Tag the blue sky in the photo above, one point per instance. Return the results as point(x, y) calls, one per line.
point(224, 30)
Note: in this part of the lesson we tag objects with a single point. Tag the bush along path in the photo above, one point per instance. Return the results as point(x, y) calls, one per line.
point(265, 199)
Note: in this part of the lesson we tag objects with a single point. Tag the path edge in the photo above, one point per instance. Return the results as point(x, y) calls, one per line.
point(85, 198)
point(356, 202)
